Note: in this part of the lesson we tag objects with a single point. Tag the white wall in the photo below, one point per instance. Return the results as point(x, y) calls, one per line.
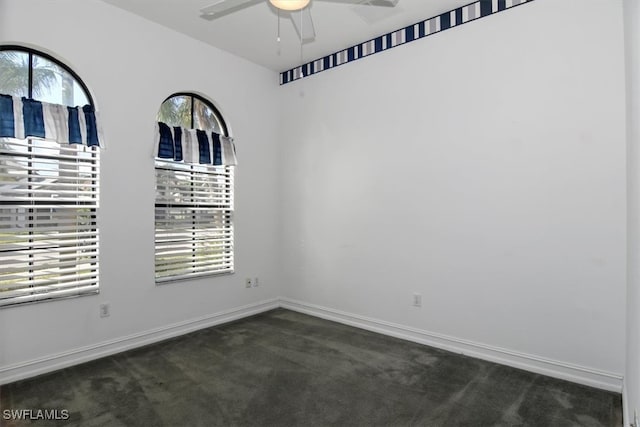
point(130, 66)
point(632, 372)
point(483, 168)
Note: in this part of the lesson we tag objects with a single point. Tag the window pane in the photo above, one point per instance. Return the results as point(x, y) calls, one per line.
point(48, 232)
point(14, 73)
point(204, 117)
point(193, 221)
point(176, 111)
point(52, 83)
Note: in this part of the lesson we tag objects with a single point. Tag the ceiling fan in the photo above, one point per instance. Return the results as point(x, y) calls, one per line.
point(298, 10)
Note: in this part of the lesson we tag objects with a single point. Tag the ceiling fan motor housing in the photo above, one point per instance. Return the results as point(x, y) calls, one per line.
point(290, 4)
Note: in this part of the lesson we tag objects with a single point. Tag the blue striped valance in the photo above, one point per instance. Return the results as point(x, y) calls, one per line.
point(194, 146)
point(27, 118)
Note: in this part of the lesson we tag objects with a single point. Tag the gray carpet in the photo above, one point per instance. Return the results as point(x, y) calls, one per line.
point(283, 368)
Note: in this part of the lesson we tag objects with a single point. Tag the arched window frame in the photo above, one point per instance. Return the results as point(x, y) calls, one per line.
point(49, 217)
point(31, 52)
point(223, 125)
point(191, 259)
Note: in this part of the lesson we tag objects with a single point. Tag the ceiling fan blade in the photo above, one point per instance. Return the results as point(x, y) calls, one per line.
point(225, 7)
point(304, 24)
point(386, 3)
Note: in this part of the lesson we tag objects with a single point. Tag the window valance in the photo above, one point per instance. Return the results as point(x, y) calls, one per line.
point(194, 146)
point(23, 118)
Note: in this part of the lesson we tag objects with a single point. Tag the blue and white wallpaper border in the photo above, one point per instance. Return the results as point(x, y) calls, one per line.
point(453, 18)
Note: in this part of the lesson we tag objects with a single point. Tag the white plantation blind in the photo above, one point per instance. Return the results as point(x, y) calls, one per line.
point(48, 231)
point(193, 220)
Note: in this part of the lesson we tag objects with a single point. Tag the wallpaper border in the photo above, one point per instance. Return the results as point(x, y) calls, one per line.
point(453, 18)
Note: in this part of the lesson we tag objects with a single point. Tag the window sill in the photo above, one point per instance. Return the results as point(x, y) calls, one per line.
point(169, 281)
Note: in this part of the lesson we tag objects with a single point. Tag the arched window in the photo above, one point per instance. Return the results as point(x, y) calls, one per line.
point(32, 74)
point(194, 202)
point(191, 111)
point(49, 182)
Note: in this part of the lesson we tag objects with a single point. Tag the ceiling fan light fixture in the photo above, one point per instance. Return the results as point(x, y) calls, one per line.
point(290, 4)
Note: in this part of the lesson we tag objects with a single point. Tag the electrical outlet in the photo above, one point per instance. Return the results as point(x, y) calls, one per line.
point(417, 300)
point(105, 310)
point(248, 282)
point(256, 283)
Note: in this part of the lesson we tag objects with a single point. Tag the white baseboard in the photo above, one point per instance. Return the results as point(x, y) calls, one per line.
point(578, 374)
point(76, 356)
point(566, 371)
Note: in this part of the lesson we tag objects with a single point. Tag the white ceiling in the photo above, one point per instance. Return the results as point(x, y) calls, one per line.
point(251, 33)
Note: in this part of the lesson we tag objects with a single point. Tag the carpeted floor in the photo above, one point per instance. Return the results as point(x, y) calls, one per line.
point(283, 368)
